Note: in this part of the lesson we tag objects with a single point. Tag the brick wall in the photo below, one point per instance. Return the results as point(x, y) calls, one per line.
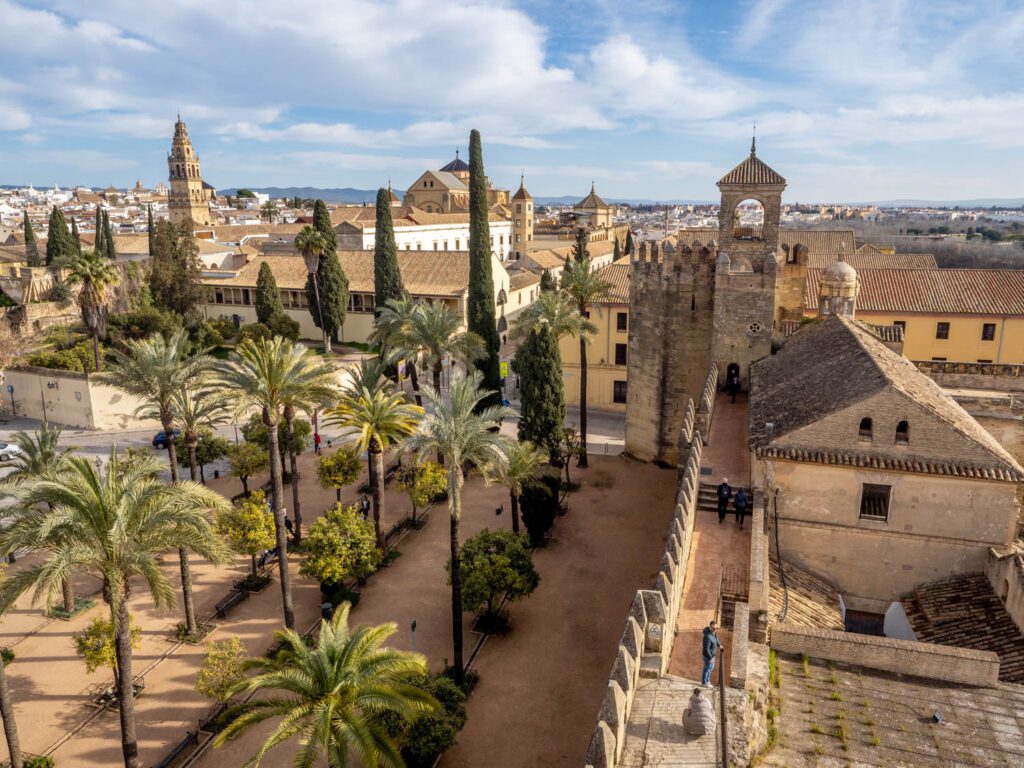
point(936, 662)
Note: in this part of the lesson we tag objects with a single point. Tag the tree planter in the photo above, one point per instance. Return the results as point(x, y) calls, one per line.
point(107, 698)
point(58, 612)
point(496, 624)
point(179, 634)
point(254, 584)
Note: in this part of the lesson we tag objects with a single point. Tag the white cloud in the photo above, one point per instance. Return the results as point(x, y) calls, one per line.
point(13, 118)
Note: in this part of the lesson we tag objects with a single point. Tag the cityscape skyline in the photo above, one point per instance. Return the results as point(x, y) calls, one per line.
point(655, 100)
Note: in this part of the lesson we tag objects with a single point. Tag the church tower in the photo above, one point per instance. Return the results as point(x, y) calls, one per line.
point(838, 288)
point(189, 198)
point(522, 220)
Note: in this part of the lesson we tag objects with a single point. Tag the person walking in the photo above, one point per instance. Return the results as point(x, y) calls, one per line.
point(316, 443)
point(741, 506)
point(732, 386)
point(724, 494)
point(709, 650)
point(699, 717)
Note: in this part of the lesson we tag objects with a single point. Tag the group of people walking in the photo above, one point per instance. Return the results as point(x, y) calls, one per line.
point(741, 503)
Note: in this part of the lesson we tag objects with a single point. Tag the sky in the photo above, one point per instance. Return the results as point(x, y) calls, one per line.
point(852, 99)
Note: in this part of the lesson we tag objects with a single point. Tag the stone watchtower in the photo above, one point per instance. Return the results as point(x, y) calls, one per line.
point(693, 302)
point(189, 198)
point(522, 220)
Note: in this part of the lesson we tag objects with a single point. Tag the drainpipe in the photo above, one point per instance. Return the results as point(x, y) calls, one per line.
point(999, 349)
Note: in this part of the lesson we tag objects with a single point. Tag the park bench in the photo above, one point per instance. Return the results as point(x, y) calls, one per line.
point(191, 739)
point(229, 602)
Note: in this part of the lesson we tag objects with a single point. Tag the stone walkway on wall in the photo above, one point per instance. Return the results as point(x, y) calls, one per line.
point(655, 734)
point(715, 546)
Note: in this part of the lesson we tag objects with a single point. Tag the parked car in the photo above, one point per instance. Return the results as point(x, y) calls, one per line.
point(160, 441)
point(8, 451)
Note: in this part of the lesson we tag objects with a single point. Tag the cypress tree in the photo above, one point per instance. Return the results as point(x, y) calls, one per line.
point(75, 237)
point(32, 257)
point(579, 248)
point(108, 238)
point(547, 282)
point(175, 272)
point(149, 228)
point(480, 305)
point(99, 241)
point(268, 299)
point(330, 276)
point(629, 242)
point(387, 279)
point(59, 246)
point(617, 253)
point(542, 395)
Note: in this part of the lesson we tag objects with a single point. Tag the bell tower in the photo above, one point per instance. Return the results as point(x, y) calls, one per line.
point(189, 198)
point(522, 220)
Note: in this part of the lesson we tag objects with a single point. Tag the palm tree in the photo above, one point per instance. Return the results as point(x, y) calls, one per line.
point(153, 369)
point(392, 318)
point(312, 244)
point(97, 275)
point(268, 212)
point(434, 331)
point(263, 375)
point(583, 287)
point(557, 311)
point(41, 454)
point(7, 709)
point(369, 374)
point(379, 417)
point(196, 406)
point(331, 696)
point(463, 436)
point(525, 466)
point(113, 522)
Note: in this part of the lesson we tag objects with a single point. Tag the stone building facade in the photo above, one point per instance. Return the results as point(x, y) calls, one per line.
point(696, 301)
point(189, 198)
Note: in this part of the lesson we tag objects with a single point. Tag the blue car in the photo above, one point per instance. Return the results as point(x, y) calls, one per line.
point(160, 441)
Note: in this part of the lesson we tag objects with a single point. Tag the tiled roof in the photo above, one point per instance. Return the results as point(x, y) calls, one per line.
point(935, 291)
point(522, 194)
point(827, 366)
point(450, 180)
point(617, 277)
point(591, 201)
point(964, 612)
point(547, 258)
point(234, 232)
point(424, 273)
point(811, 602)
point(458, 164)
point(874, 260)
point(889, 333)
point(819, 242)
point(752, 170)
point(519, 279)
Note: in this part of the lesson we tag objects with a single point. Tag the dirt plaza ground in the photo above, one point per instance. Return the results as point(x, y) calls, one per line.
point(540, 684)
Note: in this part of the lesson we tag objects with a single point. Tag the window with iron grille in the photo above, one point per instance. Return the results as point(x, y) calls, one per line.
point(874, 501)
point(620, 354)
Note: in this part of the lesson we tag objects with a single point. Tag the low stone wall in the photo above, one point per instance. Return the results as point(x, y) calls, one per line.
point(646, 644)
point(1006, 378)
point(1005, 572)
point(936, 662)
point(706, 409)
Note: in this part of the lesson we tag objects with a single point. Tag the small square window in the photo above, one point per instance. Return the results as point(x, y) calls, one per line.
point(874, 501)
point(620, 354)
point(942, 330)
point(900, 324)
point(619, 391)
point(988, 332)
point(621, 321)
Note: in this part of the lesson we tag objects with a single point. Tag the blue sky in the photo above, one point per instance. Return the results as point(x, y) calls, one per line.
point(853, 100)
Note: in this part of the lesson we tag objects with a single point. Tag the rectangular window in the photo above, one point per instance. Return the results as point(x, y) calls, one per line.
point(519, 208)
point(874, 501)
point(984, 361)
point(942, 330)
point(988, 332)
point(900, 324)
point(622, 321)
point(620, 354)
point(938, 359)
point(618, 391)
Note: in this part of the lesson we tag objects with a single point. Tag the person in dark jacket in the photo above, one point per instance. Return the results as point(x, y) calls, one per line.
point(724, 494)
point(741, 506)
point(732, 386)
point(709, 650)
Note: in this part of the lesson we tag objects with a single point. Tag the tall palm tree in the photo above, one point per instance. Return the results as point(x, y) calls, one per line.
point(312, 244)
point(153, 369)
point(391, 319)
point(583, 287)
point(97, 276)
point(454, 429)
point(268, 212)
point(557, 311)
point(525, 465)
point(7, 707)
point(41, 454)
point(379, 418)
point(196, 406)
point(434, 331)
point(369, 374)
point(314, 390)
point(262, 375)
point(113, 522)
point(330, 696)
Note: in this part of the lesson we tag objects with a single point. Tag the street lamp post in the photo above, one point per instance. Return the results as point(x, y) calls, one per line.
point(312, 260)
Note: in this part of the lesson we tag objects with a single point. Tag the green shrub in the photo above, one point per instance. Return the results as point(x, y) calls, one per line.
point(142, 323)
point(283, 325)
point(340, 545)
point(39, 761)
point(496, 565)
point(254, 331)
point(539, 505)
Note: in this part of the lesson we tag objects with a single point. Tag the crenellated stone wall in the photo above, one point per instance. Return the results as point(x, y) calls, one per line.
point(646, 643)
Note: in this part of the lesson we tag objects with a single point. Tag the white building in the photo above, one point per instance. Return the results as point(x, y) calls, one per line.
point(417, 230)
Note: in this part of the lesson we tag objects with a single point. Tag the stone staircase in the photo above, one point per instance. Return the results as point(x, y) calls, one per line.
point(707, 497)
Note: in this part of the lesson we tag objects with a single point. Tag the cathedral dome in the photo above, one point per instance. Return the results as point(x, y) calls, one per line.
point(840, 273)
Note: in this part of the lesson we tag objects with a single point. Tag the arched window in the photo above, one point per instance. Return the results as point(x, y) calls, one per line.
point(903, 433)
point(865, 428)
point(748, 220)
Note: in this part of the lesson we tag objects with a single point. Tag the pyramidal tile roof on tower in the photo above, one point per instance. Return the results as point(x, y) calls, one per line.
point(752, 171)
point(593, 200)
point(456, 165)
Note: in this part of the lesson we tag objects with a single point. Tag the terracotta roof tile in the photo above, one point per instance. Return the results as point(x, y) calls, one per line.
point(811, 602)
point(752, 170)
point(935, 291)
point(617, 277)
point(874, 260)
